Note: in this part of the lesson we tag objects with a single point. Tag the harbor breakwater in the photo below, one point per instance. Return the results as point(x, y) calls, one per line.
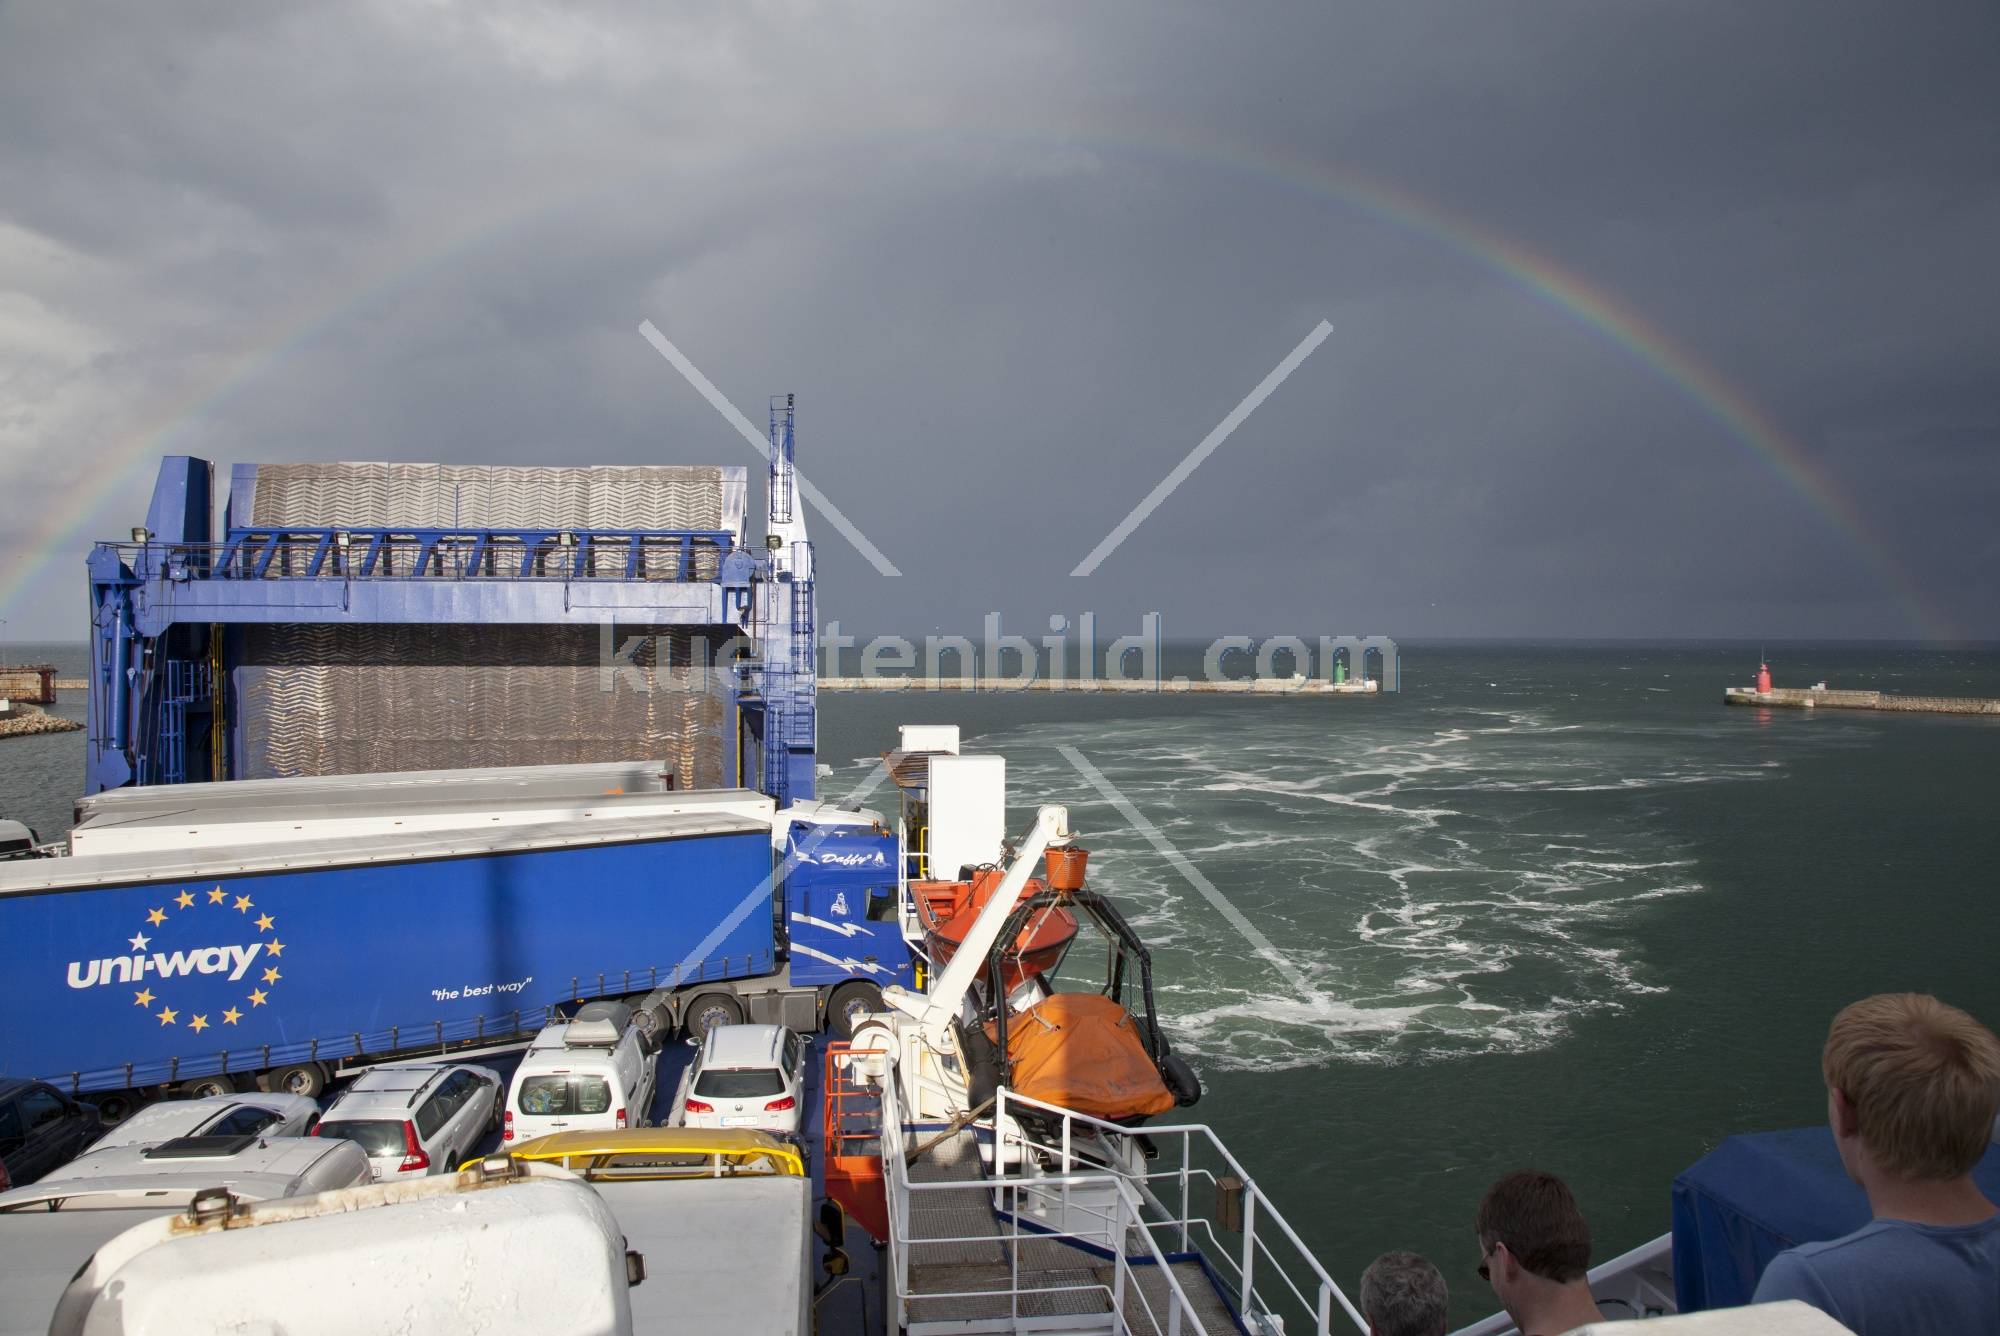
point(1254, 686)
point(1805, 698)
point(25, 720)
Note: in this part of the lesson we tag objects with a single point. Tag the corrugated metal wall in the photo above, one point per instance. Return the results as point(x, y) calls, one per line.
point(437, 496)
point(321, 700)
point(338, 700)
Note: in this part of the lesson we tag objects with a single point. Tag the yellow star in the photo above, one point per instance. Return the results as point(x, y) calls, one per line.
point(272, 976)
point(242, 904)
point(144, 997)
point(256, 997)
point(157, 917)
point(167, 1015)
point(215, 896)
point(231, 1016)
point(264, 922)
point(198, 1024)
point(184, 900)
point(275, 947)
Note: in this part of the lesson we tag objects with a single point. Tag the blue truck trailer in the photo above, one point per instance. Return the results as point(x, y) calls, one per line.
point(206, 936)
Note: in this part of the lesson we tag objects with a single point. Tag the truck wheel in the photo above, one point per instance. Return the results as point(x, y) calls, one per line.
point(207, 1087)
point(115, 1106)
point(301, 1078)
point(655, 1025)
point(710, 1010)
point(849, 1003)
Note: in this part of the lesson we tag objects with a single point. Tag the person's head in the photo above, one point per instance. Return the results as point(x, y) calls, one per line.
point(1403, 1295)
point(1912, 1087)
point(1531, 1233)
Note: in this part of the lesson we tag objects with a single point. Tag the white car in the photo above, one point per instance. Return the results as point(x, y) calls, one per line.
point(215, 1116)
point(268, 1166)
point(416, 1118)
point(744, 1076)
point(49, 1229)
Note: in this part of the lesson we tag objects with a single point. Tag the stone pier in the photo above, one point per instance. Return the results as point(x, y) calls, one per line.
point(1808, 698)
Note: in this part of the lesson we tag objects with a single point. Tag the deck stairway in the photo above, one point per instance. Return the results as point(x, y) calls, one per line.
point(972, 1268)
point(1020, 1234)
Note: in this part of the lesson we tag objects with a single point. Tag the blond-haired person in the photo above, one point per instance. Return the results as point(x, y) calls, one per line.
point(1912, 1087)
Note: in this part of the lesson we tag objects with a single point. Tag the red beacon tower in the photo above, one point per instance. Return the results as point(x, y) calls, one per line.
point(1763, 677)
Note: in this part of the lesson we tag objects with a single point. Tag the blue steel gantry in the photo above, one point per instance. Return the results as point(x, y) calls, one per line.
point(175, 612)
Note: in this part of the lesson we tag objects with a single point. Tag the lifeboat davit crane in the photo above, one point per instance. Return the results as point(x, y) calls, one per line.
point(952, 1043)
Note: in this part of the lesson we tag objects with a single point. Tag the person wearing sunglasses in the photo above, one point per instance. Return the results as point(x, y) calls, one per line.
point(1534, 1249)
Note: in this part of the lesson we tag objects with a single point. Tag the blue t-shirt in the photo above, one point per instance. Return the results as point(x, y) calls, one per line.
point(1894, 1278)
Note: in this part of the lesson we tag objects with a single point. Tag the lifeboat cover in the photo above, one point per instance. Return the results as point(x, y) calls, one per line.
point(1083, 1052)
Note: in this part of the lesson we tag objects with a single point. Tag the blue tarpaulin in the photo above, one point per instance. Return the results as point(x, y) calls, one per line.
point(1756, 1195)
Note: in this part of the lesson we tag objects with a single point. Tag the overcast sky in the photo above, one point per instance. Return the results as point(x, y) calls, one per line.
point(1017, 260)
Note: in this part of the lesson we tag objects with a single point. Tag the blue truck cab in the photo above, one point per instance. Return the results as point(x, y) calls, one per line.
point(842, 911)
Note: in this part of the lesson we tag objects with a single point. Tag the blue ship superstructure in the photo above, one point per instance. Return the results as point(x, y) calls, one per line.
point(368, 617)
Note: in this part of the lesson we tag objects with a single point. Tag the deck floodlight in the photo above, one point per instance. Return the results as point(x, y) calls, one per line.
point(141, 535)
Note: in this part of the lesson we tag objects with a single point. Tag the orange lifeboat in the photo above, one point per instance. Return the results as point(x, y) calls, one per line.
point(948, 909)
point(1083, 1051)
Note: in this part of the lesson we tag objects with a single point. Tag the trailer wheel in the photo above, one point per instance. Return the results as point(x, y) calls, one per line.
point(849, 1003)
point(301, 1078)
point(115, 1106)
point(710, 1010)
point(207, 1087)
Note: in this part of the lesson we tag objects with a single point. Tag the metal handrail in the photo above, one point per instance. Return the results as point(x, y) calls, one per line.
point(1129, 1219)
point(1257, 1208)
point(466, 553)
point(1116, 1227)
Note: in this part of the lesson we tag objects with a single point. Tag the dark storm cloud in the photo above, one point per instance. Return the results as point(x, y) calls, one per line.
point(1016, 262)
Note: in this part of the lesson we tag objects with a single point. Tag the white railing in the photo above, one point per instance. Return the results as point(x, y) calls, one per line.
point(1247, 1262)
point(1108, 1233)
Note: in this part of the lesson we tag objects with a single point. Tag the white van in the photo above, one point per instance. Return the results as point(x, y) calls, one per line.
point(598, 1070)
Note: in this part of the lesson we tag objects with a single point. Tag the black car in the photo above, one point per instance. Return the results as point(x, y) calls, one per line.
point(40, 1128)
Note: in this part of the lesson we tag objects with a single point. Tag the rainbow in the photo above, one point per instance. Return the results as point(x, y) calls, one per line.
point(66, 524)
point(1567, 293)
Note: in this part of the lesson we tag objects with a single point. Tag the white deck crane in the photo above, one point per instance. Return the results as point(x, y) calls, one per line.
point(917, 1029)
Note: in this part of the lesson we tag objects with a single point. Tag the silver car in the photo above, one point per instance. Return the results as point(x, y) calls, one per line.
point(269, 1115)
point(416, 1118)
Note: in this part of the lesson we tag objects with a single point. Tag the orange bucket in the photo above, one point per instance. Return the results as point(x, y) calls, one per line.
point(1066, 868)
